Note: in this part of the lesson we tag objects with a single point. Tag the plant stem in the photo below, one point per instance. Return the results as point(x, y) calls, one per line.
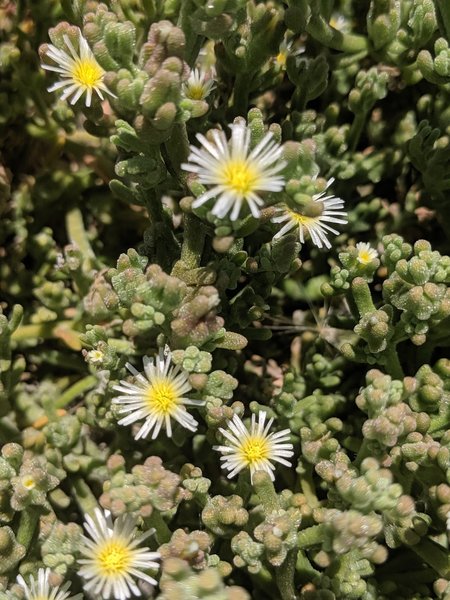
point(265, 491)
point(362, 296)
point(83, 495)
point(177, 148)
point(434, 555)
point(75, 390)
point(240, 94)
point(444, 11)
point(392, 362)
point(319, 29)
point(162, 531)
point(310, 536)
point(308, 488)
point(193, 241)
point(284, 576)
point(78, 236)
point(29, 519)
point(355, 130)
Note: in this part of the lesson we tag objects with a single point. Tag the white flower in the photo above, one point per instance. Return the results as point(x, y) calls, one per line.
point(236, 173)
point(287, 49)
point(113, 561)
point(255, 448)
point(41, 589)
point(313, 218)
point(95, 356)
point(198, 86)
point(366, 254)
point(80, 72)
point(157, 398)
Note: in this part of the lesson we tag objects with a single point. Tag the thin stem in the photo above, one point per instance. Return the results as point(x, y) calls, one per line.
point(308, 488)
point(83, 495)
point(444, 11)
point(319, 29)
point(29, 519)
point(311, 536)
point(240, 94)
point(356, 130)
point(392, 362)
point(177, 148)
point(265, 491)
point(75, 390)
point(39, 330)
point(434, 555)
point(162, 531)
point(284, 576)
point(362, 296)
point(78, 236)
point(193, 242)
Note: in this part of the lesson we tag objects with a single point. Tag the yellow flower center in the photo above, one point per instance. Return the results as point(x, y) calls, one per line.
point(113, 558)
point(162, 396)
point(196, 92)
point(299, 218)
point(240, 177)
point(95, 355)
point(254, 449)
point(28, 482)
point(281, 58)
point(364, 257)
point(87, 72)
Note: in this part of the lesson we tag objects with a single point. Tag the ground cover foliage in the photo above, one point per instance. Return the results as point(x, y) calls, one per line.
point(114, 248)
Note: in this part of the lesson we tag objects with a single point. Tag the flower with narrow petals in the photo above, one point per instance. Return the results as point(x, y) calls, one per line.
point(255, 449)
point(366, 254)
point(198, 86)
point(80, 72)
point(286, 49)
point(157, 397)
point(313, 218)
point(113, 561)
point(41, 589)
point(236, 173)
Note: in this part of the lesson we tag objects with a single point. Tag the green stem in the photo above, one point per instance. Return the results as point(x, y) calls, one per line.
point(363, 452)
point(76, 390)
point(265, 491)
point(304, 568)
point(240, 94)
point(444, 11)
point(177, 148)
point(434, 555)
point(438, 423)
point(162, 531)
point(39, 330)
point(311, 536)
point(78, 236)
point(83, 495)
point(392, 362)
point(284, 576)
point(193, 242)
point(319, 29)
point(362, 296)
point(29, 519)
point(356, 130)
point(193, 40)
point(308, 488)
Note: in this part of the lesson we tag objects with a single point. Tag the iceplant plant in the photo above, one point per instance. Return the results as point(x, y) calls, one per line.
point(256, 449)
point(79, 71)
point(111, 559)
point(157, 396)
point(312, 218)
point(42, 589)
point(235, 173)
